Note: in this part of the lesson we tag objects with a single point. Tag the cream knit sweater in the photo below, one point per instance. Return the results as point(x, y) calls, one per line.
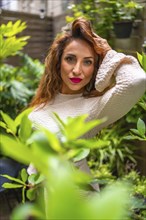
point(130, 85)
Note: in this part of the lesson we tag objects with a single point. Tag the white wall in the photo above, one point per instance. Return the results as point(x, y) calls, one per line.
point(47, 7)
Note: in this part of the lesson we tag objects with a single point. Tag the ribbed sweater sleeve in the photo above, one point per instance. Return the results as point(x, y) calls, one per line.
point(129, 86)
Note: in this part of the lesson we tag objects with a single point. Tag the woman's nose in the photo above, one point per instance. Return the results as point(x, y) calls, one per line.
point(77, 70)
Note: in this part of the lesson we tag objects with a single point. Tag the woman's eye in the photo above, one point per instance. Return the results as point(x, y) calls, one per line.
point(70, 59)
point(88, 62)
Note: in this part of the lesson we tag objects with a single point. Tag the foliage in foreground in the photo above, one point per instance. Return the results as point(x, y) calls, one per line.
point(59, 190)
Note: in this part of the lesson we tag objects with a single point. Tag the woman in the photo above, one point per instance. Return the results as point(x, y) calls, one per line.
point(84, 75)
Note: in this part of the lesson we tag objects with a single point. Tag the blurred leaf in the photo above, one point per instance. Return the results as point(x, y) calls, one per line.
point(24, 175)
point(39, 138)
point(53, 140)
point(75, 206)
point(9, 122)
point(13, 179)
point(76, 127)
point(139, 56)
point(120, 154)
point(83, 154)
point(141, 127)
point(142, 59)
point(36, 178)
point(31, 194)
point(19, 117)
point(132, 137)
point(3, 125)
point(15, 149)
point(11, 185)
point(19, 90)
point(25, 129)
point(135, 131)
point(10, 43)
point(26, 210)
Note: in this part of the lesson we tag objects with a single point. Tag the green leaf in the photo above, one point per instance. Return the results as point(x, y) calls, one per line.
point(76, 127)
point(31, 194)
point(141, 127)
point(120, 154)
point(24, 175)
point(3, 125)
point(139, 56)
point(83, 154)
point(10, 43)
point(131, 137)
point(23, 194)
point(36, 178)
point(135, 131)
point(9, 122)
point(25, 128)
point(144, 61)
point(13, 179)
point(26, 210)
point(59, 120)
point(15, 149)
point(53, 140)
point(18, 119)
point(132, 159)
point(11, 185)
point(39, 138)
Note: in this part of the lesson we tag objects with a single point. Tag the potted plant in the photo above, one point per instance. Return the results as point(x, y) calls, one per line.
point(124, 14)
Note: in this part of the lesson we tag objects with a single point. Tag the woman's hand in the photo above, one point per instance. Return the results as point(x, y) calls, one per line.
point(101, 45)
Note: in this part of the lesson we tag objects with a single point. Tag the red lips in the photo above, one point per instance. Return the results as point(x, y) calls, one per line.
point(76, 80)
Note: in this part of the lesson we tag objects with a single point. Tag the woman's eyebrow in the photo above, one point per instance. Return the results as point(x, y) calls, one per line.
point(88, 57)
point(70, 54)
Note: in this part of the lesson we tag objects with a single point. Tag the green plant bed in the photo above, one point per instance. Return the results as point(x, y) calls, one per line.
point(18, 83)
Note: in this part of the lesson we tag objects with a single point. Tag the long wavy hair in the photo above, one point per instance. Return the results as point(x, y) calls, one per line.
point(51, 81)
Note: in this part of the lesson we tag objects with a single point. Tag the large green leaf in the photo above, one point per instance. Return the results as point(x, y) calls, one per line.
point(13, 179)
point(78, 126)
point(15, 149)
point(26, 210)
point(9, 122)
point(25, 129)
point(19, 117)
point(66, 201)
point(11, 185)
point(141, 127)
point(142, 60)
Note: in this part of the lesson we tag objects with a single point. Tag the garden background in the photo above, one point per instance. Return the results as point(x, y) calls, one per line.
point(116, 155)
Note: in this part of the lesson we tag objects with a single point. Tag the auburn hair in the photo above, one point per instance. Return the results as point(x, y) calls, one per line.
point(51, 82)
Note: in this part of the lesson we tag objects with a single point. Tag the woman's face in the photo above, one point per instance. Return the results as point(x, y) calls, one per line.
point(77, 66)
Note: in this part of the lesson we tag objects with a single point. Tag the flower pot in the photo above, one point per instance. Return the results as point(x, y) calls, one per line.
point(123, 29)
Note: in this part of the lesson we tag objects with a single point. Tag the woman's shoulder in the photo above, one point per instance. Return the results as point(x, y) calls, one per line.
point(36, 110)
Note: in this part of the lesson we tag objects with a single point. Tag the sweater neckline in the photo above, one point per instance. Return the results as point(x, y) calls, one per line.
point(69, 95)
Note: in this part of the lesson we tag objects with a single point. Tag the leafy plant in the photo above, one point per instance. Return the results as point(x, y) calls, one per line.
point(99, 15)
point(60, 183)
point(125, 10)
point(103, 14)
point(18, 84)
point(139, 133)
point(10, 43)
